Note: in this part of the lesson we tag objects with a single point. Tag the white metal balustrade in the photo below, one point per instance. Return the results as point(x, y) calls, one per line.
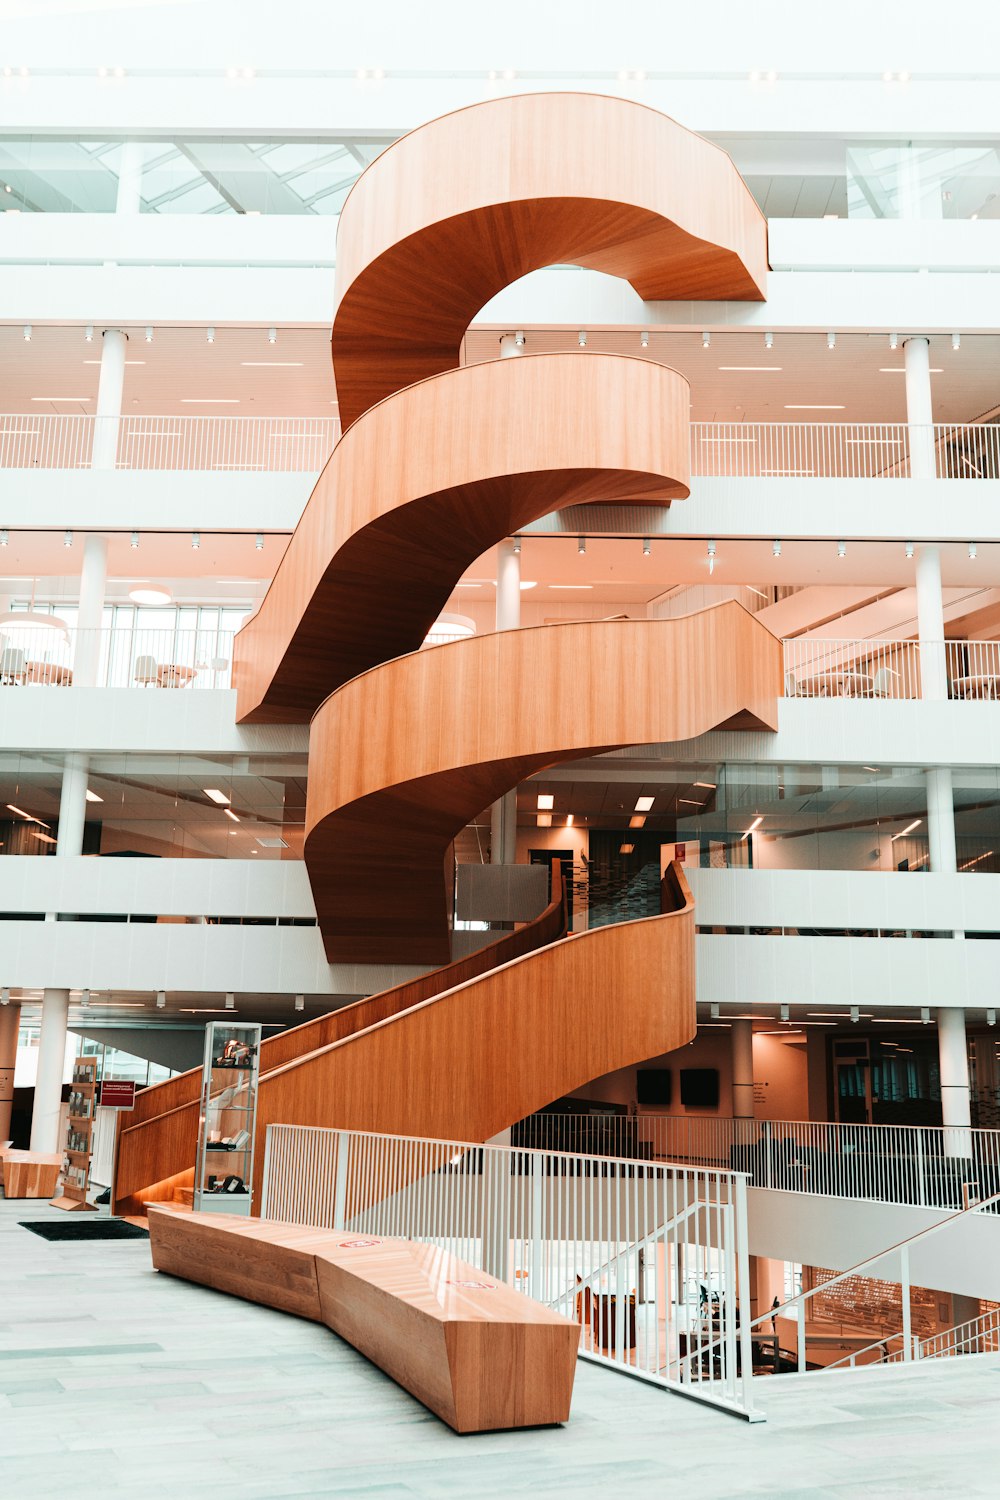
point(650, 1259)
point(819, 667)
point(47, 656)
point(241, 444)
point(841, 450)
point(921, 1165)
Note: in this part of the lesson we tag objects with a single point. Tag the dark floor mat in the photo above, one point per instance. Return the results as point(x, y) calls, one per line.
point(85, 1229)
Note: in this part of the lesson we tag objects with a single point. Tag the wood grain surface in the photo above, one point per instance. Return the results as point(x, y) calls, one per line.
point(478, 1354)
point(425, 484)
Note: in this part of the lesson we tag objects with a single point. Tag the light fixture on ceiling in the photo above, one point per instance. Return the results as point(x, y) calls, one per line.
point(90, 796)
point(785, 1013)
point(776, 548)
point(546, 801)
point(637, 820)
point(230, 814)
point(908, 829)
point(991, 1016)
point(581, 545)
point(909, 549)
point(5, 996)
point(300, 1002)
point(27, 333)
point(543, 820)
point(161, 999)
point(196, 540)
point(259, 541)
point(855, 1013)
point(711, 556)
point(67, 539)
point(230, 1001)
point(216, 796)
point(626, 849)
point(528, 583)
point(149, 334)
point(644, 804)
point(4, 536)
point(768, 340)
point(771, 76)
point(706, 340)
point(569, 820)
point(84, 998)
point(272, 335)
point(956, 342)
point(754, 825)
point(644, 339)
point(894, 341)
point(517, 546)
point(133, 541)
point(841, 549)
point(210, 335)
point(88, 333)
point(581, 338)
point(973, 551)
point(646, 547)
point(149, 596)
point(831, 340)
point(925, 1015)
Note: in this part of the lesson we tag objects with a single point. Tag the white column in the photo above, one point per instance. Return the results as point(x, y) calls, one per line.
point(503, 815)
point(954, 1061)
point(93, 583)
point(129, 199)
point(49, 1078)
point(930, 624)
point(941, 821)
point(742, 1041)
point(10, 1017)
point(109, 399)
point(919, 410)
point(72, 805)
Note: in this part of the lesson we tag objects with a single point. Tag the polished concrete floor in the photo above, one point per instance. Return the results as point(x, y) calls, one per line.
point(114, 1379)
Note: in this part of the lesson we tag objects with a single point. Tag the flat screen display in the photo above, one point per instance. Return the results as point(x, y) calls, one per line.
point(653, 1086)
point(700, 1087)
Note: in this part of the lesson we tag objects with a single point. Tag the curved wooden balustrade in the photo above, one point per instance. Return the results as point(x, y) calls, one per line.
point(157, 1143)
point(405, 756)
point(472, 1058)
point(426, 483)
point(457, 210)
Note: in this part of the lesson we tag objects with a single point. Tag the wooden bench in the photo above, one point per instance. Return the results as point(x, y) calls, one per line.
point(30, 1174)
point(476, 1353)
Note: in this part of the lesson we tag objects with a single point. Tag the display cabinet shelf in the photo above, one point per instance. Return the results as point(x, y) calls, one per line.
point(224, 1167)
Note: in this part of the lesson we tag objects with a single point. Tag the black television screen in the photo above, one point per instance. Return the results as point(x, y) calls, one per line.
point(700, 1087)
point(653, 1086)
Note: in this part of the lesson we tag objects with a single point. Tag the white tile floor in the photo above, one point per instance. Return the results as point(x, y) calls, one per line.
point(114, 1379)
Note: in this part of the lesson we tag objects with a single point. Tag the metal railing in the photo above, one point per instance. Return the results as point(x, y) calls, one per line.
point(817, 667)
point(650, 1259)
point(741, 450)
point(244, 444)
point(842, 450)
point(977, 1336)
point(48, 656)
point(920, 1165)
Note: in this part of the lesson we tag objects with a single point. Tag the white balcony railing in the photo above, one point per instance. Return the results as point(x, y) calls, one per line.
point(651, 1260)
point(816, 667)
point(741, 450)
point(926, 1166)
point(242, 444)
point(46, 656)
point(841, 450)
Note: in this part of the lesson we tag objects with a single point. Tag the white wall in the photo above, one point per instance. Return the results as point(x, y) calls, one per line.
point(118, 500)
point(845, 898)
point(161, 887)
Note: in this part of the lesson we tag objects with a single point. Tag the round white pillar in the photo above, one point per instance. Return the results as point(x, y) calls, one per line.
point(93, 585)
point(919, 408)
point(10, 1017)
point(941, 821)
point(503, 814)
point(49, 1077)
point(742, 1043)
point(956, 1113)
point(72, 805)
point(109, 399)
point(129, 198)
point(930, 624)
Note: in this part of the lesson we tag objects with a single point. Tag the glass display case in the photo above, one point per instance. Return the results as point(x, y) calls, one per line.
point(223, 1175)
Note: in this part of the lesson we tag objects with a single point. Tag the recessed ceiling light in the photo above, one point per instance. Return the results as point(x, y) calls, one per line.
point(545, 801)
point(571, 585)
point(643, 804)
point(272, 364)
point(92, 796)
point(543, 820)
point(216, 795)
point(908, 829)
point(754, 825)
point(532, 585)
point(626, 849)
point(637, 821)
point(230, 814)
point(817, 407)
point(272, 843)
point(901, 370)
point(62, 398)
point(760, 369)
point(149, 596)
point(210, 401)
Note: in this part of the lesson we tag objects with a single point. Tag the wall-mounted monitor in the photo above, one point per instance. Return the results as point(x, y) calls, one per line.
point(700, 1088)
point(653, 1086)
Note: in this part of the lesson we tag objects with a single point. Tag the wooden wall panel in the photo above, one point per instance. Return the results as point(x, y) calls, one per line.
point(403, 757)
point(457, 210)
point(425, 484)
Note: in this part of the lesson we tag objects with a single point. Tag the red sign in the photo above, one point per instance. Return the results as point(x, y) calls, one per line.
point(475, 1286)
point(358, 1244)
point(117, 1094)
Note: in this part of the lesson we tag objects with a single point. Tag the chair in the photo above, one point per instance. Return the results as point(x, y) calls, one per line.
point(882, 683)
point(12, 666)
point(146, 671)
point(790, 689)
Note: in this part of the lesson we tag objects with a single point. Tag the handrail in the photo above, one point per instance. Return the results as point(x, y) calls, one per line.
point(868, 667)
